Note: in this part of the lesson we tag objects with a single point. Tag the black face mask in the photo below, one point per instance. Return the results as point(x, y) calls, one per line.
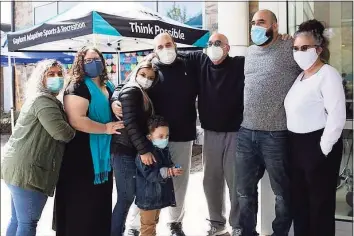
point(270, 36)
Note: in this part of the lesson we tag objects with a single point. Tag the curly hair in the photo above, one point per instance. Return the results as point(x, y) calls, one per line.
point(77, 72)
point(156, 121)
point(35, 84)
point(315, 29)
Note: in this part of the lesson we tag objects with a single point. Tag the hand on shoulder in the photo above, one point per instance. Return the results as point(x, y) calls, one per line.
point(285, 37)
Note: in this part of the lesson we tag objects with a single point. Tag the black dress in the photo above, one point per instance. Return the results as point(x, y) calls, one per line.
point(81, 208)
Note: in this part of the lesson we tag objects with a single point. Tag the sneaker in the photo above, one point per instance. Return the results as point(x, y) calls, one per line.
point(218, 229)
point(133, 232)
point(237, 232)
point(176, 229)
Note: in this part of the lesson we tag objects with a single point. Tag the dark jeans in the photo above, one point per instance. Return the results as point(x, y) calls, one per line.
point(26, 210)
point(314, 184)
point(255, 152)
point(124, 169)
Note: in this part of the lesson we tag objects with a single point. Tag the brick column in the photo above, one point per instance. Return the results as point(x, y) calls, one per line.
point(23, 14)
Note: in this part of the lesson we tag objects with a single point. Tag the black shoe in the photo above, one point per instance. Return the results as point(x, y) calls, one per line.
point(133, 232)
point(176, 229)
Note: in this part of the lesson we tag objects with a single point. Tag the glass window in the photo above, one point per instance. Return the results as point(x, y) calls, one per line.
point(150, 4)
point(189, 13)
point(338, 20)
point(45, 12)
point(64, 5)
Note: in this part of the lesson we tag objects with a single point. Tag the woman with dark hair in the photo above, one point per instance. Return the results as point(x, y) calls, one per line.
point(137, 108)
point(34, 152)
point(315, 109)
point(83, 202)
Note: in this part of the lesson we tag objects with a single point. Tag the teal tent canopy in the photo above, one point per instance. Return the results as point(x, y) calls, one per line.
point(111, 26)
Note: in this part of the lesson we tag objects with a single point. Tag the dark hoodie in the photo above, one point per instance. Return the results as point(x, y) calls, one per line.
point(174, 96)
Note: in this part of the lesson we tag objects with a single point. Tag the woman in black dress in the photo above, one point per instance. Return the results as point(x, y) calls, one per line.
point(83, 202)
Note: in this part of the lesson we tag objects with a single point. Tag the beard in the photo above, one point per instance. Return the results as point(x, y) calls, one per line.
point(270, 35)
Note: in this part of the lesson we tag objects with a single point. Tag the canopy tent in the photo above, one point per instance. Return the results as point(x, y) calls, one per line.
point(112, 27)
point(31, 57)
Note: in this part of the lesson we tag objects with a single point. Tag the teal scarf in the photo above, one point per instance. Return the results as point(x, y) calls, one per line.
point(100, 111)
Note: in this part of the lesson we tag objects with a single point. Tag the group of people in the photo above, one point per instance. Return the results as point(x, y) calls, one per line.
point(281, 108)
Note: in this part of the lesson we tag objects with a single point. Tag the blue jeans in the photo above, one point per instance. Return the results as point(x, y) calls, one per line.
point(255, 152)
point(26, 210)
point(124, 169)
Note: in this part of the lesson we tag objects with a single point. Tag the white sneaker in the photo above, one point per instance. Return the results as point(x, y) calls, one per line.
point(216, 230)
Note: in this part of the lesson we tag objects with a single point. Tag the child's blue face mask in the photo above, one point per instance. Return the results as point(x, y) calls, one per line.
point(160, 143)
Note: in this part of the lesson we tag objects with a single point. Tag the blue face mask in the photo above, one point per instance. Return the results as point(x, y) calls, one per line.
point(93, 68)
point(259, 35)
point(55, 84)
point(160, 143)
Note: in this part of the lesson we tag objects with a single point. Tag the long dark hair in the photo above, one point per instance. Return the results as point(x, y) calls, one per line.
point(131, 80)
point(316, 29)
point(77, 72)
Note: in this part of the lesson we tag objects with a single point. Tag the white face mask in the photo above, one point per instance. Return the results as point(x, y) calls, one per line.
point(215, 53)
point(143, 82)
point(167, 55)
point(306, 59)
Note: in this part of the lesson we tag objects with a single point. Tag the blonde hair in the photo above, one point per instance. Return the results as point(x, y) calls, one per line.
point(35, 84)
point(132, 81)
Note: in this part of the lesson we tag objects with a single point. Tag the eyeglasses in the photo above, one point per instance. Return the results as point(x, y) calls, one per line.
point(217, 43)
point(89, 60)
point(303, 48)
point(52, 73)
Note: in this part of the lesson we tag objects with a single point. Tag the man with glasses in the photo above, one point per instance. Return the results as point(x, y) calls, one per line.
point(270, 71)
point(219, 78)
point(220, 106)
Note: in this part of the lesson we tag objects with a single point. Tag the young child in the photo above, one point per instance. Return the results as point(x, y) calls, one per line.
point(154, 186)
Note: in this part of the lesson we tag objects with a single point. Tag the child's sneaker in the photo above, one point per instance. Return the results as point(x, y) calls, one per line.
point(133, 232)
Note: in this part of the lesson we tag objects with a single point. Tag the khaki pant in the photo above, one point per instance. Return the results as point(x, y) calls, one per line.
point(181, 153)
point(149, 220)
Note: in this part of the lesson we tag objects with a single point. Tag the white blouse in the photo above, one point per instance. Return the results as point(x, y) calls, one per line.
point(315, 103)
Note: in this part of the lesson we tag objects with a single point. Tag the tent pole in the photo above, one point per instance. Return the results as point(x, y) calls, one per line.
point(12, 115)
point(118, 68)
point(94, 40)
point(13, 71)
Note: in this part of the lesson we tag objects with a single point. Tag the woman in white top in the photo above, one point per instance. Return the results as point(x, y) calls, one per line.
point(315, 109)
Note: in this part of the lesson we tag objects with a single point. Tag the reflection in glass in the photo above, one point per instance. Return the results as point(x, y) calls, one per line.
point(45, 12)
